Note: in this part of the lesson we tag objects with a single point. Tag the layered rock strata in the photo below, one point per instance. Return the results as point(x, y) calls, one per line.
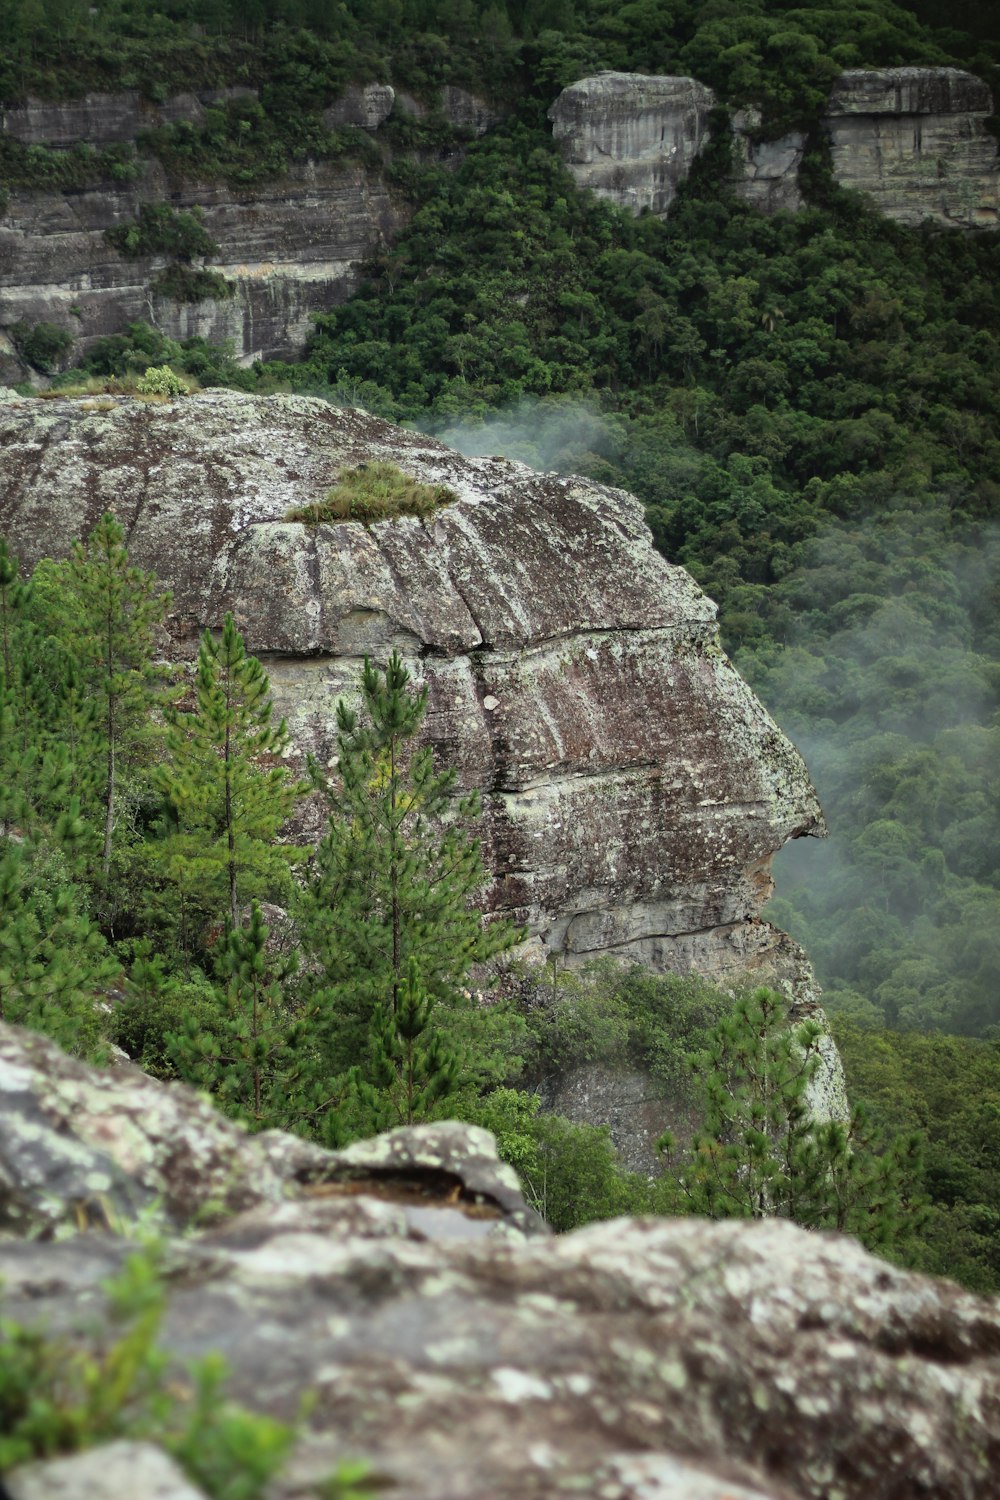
point(291, 246)
point(634, 790)
point(663, 1359)
point(290, 249)
point(913, 139)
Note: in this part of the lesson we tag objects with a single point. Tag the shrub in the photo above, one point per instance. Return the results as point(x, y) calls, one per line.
point(162, 230)
point(161, 380)
point(41, 346)
point(182, 283)
point(376, 491)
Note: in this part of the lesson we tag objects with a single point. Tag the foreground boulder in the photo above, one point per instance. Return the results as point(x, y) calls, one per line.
point(663, 1359)
point(634, 790)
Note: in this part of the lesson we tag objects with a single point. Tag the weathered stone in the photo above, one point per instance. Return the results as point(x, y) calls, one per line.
point(291, 248)
point(634, 790)
point(115, 1471)
point(735, 1359)
point(469, 111)
point(85, 1148)
point(632, 138)
point(767, 172)
point(915, 141)
point(366, 106)
point(106, 119)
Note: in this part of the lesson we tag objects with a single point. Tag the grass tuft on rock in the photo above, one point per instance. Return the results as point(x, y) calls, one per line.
point(376, 491)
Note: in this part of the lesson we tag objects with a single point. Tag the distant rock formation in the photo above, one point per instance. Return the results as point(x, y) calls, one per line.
point(914, 139)
point(401, 1293)
point(634, 789)
point(630, 137)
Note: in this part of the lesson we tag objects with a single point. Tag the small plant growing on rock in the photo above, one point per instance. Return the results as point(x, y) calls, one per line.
point(56, 1398)
point(376, 491)
point(161, 380)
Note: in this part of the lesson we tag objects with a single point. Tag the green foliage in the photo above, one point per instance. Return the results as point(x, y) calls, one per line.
point(41, 345)
point(182, 283)
point(159, 229)
point(58, 1398)
point(375, 491)
point(414, 1072)
point(161, 380)
point(570, 1173)
point(54, 964)
point(949, 1089)
point(762, 1153)
point(395, 873)
point(249, 1057)
point(226, 791)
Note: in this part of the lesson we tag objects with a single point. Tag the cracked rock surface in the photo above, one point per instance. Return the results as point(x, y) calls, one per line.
point(634, 790)
point(634, 1360)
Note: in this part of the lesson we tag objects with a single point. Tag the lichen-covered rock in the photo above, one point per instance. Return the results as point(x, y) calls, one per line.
point(733, 1359)
point(632, 137)
point(914, 140)
point(634, 790)
point(84, 1148)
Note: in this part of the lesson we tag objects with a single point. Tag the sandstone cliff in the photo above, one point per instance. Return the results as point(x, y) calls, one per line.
point(634, 789)
point(291, 246)
point(914, 139)
point(404, 1286)
point(632, 138)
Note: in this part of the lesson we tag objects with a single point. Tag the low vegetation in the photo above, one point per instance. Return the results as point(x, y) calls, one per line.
point(58, 1398)
point(375, 491)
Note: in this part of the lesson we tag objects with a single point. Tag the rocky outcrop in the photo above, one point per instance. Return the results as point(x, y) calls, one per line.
point(667, 1359)
point(98, 1149)
point(766, 172)
point(915, 141)
point(630, 137)
point(634, 789)
point(291, 246)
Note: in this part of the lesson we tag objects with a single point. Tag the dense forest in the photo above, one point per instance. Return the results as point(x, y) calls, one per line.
point(807, 404)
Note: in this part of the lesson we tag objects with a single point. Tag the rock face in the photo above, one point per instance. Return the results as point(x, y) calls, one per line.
point(634, 789)
point(662, 1359)
point(915, 141)
point(291, 249)
point(291, 246)
point(630, 137)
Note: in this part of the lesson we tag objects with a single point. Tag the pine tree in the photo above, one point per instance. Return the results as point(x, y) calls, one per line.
point(761, 1153)
point(413, 1070)
point(396, 872)
point(116, 609)
point(251, 1058)
point(227, 796)
point(53, 962)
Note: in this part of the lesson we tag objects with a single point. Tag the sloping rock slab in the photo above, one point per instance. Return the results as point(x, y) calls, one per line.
point(792, 1364)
